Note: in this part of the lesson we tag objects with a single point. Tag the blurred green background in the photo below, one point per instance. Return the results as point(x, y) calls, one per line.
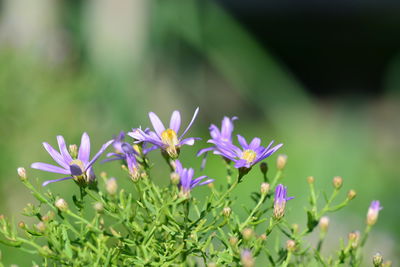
point(100, 66)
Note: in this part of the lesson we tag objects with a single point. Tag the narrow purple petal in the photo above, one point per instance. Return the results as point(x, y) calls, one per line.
point(147, 150)
point(56, 180)
point(255, 143)
point(84, 149)
point(204, 150)
point(240, 163)
point(103, 148)
point(49, 168)
point(157, 124)
point(55, 155)
point(214, 132)
point(207, 182)
point(196, 181)
point(242, 141)
point(75, 170)
point(63, 149)
point(188, 141)
point(190, 124)
point(175, 122)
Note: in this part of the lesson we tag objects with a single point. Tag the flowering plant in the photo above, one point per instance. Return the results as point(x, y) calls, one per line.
point(151, 225)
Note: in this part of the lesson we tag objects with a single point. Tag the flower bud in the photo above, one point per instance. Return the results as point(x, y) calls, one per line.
point(210, 185)
point(387, 264)
point(263, 237)
point(175, 179)
point(21, 225)
point(353, 238)
point(281, 162)
point(98, 207)
point(264, 188)
point(227, 211)
point(337, 182)
point(233, 240)
point(351, 194)
point(290, 245)
point(40, 226)
point(373, 212)
point(247, 233)
point(264, 168)
point(103, 175)
point(324, 223)
point(73, 150)
point(247, 258)
point(111, 186)
point(22, 173)
point(377, 259)
point(61, 204)
point(295, 228)
point(310, 179)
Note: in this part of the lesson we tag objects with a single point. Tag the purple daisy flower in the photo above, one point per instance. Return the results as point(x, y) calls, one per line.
point(280, 201)
point(166, 139)
point(373, 212)
point(186, 181)
point(249, 155)
point(220, 136)
point(79, 168)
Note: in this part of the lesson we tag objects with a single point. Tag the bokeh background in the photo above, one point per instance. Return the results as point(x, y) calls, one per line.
point(322, 79)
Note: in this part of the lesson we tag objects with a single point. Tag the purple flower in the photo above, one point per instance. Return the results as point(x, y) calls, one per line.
point(373, 212)
point(166, 139)
point(249, 155)
point(220, 136)
point(79, 168)
point(186, 181)
point(280, 201)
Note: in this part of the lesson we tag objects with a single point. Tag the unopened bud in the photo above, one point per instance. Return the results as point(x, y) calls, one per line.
point(351, 194)
point(310, 179)
point(264, 188)
point(247, 233)
point(210, 185)
point(247, 258)
point(290, 245)
point(263, 237)
point(353, 238)
point(377, 259)
point(324, 223)
point(175, 178)
point(281, 162)
point(233, 240)
point(41, 227)
point(337, 182)
point(295, 228)
point(264, 168)
point(112, 186)
point(373, 212)
point(22, 173)
point(103, 175)
point(21, 225)
point(73, 150)
point(61, 204)
point(227, 211)
point(98, 207)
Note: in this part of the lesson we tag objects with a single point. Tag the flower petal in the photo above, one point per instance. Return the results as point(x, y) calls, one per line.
point(189, 141)
point(75, 170)
point(175, 122)
point(49, 168)
point(255, 143)
point(157, 124)
point(191, 122)
point(242, 142)
point(204, 150)
point(63, 149)
point(102, 149)
point(55, 155)
point(56, 180)
point(240, 163)
point(84, 149)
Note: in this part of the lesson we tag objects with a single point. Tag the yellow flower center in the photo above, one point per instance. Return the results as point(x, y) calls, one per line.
point(249, 155)
point(170, 138)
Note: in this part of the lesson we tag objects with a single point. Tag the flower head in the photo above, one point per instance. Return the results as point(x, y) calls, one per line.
point(78, 168)
point(373, 212)
point(249, 155)
point(166, 139)
point(280, 201)
point(186, 181)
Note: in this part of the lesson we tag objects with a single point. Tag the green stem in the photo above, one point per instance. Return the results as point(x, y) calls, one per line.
point(250, 217)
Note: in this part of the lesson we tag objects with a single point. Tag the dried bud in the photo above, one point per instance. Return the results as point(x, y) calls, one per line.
point(61, 204)
point(281, 162)
point(227, 211)
point(233, 240)
point(112, 186)
point(22, 173)
point(175, 178)
point(310, 179)
point(290, 245)
point(264, 188)
point(324, 223)
point(41, 227)
point(21, 225)
point(247, 233)
point(351, 194)
point(247, 258)
point(264, 168)
point(98, 207)
point(73, 150)
point(377, 259)
point(337, 182)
